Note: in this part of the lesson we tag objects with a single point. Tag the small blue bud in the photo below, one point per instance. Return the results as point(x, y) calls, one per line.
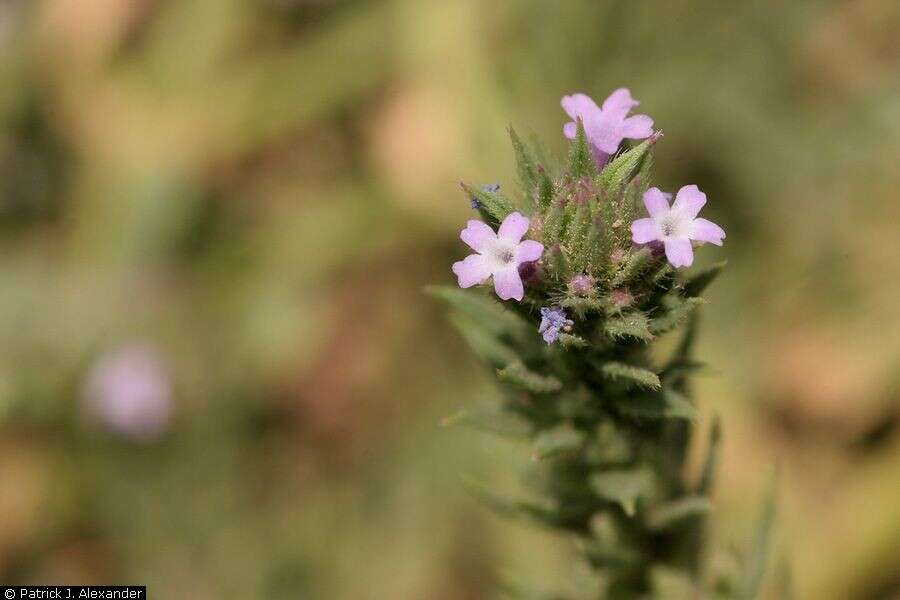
point(491, 188)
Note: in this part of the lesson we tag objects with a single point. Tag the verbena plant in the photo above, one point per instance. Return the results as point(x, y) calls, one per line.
point(586, 262)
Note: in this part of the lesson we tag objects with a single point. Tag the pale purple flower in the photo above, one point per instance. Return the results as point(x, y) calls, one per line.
point(606, 126)
point(678, 226)
point(499, 255)
point(553, 321)
point(129, 392)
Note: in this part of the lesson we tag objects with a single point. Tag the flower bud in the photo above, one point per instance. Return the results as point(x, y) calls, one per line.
point(532, 273)
point(581, 285)
point(621, 298)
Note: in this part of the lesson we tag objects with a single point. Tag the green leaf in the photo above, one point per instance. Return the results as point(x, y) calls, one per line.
point(561, 439)
point(697, 282)
point(577, 234)
point(618, 371)
point(495, 204)
point(544, 189)
point(526, 164)
point(633, 324)
point(543, 514)
point(484, 310)
point(517, 374)
point(608, 446)
point(490, 419)
point(624, 167)
point(485, 344)
point(668, 404)
point(583, 305)
point(569, 341)
point(707, 476)
point(541, 153)
point(581, 160)
point(624, 487)
point(673, 513)
point(677, 310)
point(636, 263)
point(556, 261)
point(634, 192)
point(758, 559)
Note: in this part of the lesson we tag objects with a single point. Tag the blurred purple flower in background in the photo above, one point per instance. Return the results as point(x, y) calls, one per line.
point(606, 126)
point(499, 255)
point(553, 321)
point(677, 226)
point(129, 391)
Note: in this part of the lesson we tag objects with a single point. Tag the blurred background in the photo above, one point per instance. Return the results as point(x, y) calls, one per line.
point(219, 376)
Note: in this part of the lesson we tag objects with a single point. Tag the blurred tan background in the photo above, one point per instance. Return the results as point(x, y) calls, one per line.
point(223, 212)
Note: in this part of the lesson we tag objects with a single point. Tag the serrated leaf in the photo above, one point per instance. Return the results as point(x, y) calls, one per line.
point(517, 374)
point(526, 164)
point(561, 439)
point(668, 404)
point(618, 371)
point(569, 341)
point(624, 487)
point(484, 310)
point(758, 558)
point(577, 233)
point(697, 282)
point(490, 419)
point(636, 263)
point(685, 348)
point(623, 168)
point(557, 263)
point(677, 311)
point(543, 514)
point(635, 325)
point(485, 344)
point(634, 191)
point(609, 446)
point(581, 159)
point(707, 476)
point(583, 305)
point(496, 204)
point(677, 511)
point(544, 189)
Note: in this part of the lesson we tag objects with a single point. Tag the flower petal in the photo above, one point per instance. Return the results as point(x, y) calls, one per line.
point(529, 250)
point(679, 252)
point(605, 134)
point(508, 284)
point(656, 201)
point(570, 130)
point(472, 270)
point(644, 231)
point(600, 157)
point(637, 127)
point(514, 226)
point(619, 103)
point(703, 230)
point(689, 201)
point(477, 235)
point(579, 105)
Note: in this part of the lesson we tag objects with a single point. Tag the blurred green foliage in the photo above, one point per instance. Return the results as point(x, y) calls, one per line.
point(260, 188)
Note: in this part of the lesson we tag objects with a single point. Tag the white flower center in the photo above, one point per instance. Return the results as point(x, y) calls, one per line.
point(673, 225)
point(501, 253)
